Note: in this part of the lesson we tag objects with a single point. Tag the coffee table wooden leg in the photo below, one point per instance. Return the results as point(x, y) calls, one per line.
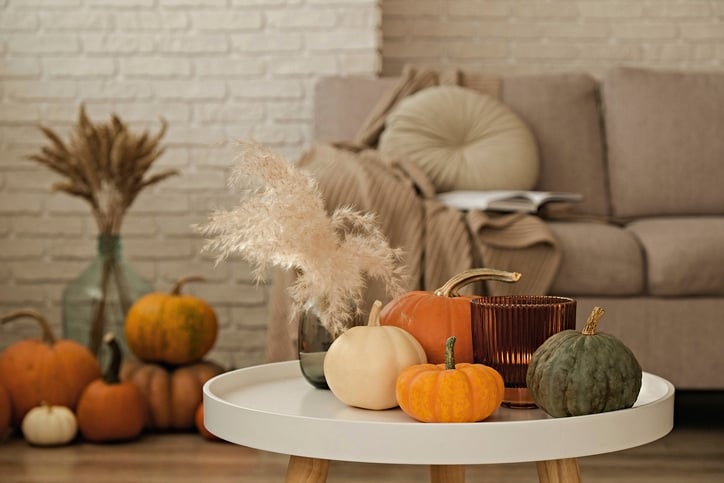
point(559, 471)
point(307, 470)
point(447, 474)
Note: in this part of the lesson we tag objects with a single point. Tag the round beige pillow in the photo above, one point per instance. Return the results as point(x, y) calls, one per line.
point(462, 140)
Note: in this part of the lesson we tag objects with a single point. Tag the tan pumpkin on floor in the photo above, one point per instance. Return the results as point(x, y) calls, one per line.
point(171, 328)
point(171, 394)
point(52, 370)
point(5, 412)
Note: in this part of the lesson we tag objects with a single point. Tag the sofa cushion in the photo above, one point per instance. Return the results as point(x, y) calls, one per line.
point(462, 140)
point(597, 259)
point(684, 256)
point(563, 112)
point(665, 142)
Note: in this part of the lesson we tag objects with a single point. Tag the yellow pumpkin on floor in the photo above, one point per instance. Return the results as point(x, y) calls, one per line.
point(449, 393)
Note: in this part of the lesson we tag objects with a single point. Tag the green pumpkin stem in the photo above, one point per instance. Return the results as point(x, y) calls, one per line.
point(592, 322)
point(450, 352)
point(112, 372)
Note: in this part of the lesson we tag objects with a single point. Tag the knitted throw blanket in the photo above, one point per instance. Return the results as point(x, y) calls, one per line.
point(438, 241)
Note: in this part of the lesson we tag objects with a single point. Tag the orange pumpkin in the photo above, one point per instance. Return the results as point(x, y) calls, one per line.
point(449, 393)
point(109, 409)
point(170, 327)
point(433, 316)
point(172, 395)
point(5, 412)
point(201, 427)
point(44, 370)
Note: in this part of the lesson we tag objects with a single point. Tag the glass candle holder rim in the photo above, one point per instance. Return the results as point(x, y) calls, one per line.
point(522, 300)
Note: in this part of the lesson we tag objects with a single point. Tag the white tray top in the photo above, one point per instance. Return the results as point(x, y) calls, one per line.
point(273, 408)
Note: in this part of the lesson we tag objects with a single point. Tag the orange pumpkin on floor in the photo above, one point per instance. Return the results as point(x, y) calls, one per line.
point(5, 412)
point(109, 409)
point(431, 317)
point(449, 393)
point(171, 328)
point(172, 394)
point(201, 427)
point(44, 370)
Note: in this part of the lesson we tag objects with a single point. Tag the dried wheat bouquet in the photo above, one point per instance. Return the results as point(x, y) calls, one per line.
point(105, 164)
point(281, 221)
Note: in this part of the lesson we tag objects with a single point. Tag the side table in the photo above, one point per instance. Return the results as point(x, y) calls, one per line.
point(272, 408)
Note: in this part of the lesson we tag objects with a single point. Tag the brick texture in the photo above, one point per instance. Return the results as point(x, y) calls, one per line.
point(534, 36)
point(218, 70)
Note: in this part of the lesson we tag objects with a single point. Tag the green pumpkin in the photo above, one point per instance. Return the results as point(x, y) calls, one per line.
point(575, 373)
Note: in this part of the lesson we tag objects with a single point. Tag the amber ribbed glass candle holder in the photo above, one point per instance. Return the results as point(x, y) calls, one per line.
point(507, 329)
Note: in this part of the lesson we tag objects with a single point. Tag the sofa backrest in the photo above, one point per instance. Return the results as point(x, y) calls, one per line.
point(562, 111)
point(665, 136)
point(341, 104)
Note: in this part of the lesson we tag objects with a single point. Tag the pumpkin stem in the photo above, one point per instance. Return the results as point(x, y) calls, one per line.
point(450, 352)
point(48, 336)
point(450, 288)
point(176, 289)
point(112, 372)
point(374, 318)
point(592, 322)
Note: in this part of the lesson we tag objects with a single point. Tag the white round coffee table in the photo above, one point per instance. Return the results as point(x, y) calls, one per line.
point(273, 408)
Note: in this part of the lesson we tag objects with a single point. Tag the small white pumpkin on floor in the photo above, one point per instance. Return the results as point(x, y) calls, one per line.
point(48, 425)
point(362, 364)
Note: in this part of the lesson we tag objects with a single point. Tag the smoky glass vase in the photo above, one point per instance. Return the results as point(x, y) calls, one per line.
point(313, 342)
point(96, 302)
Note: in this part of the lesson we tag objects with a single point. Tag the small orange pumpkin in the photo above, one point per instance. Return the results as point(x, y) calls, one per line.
point(449, 393)
point(431, 317)
point(172, 394)
point(5, 412)
point(171, 328)
point(44, 370)
point(201, 427)
point(109, 409)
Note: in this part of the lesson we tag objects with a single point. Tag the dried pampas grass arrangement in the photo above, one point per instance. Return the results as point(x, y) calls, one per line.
point(281, 221)
point(105, 164)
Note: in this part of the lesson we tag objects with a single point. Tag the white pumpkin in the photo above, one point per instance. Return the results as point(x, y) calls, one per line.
point(48, 425)
point(362, 364)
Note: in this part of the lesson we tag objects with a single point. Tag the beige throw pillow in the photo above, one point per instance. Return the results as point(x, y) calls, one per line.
point(462, 140)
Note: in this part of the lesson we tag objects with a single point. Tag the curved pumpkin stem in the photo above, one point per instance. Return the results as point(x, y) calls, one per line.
point(592, 322)
point(450, 352)
point(176, 289)
point(374, 318)
point(48, 336)
point(112, 372)
point(450, 288)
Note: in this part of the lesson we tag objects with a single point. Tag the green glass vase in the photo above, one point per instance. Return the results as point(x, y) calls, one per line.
point(97, 301)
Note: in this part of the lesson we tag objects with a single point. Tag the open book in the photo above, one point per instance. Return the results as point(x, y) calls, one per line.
point(505, 200)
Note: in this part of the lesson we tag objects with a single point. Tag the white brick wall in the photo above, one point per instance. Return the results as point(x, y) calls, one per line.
point(216, 70)
point(221, 69)
point(534, 36)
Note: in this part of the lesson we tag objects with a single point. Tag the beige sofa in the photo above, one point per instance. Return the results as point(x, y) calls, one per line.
point(646, 149)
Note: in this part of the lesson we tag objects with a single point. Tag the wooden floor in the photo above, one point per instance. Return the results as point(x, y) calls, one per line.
point(692, 453)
